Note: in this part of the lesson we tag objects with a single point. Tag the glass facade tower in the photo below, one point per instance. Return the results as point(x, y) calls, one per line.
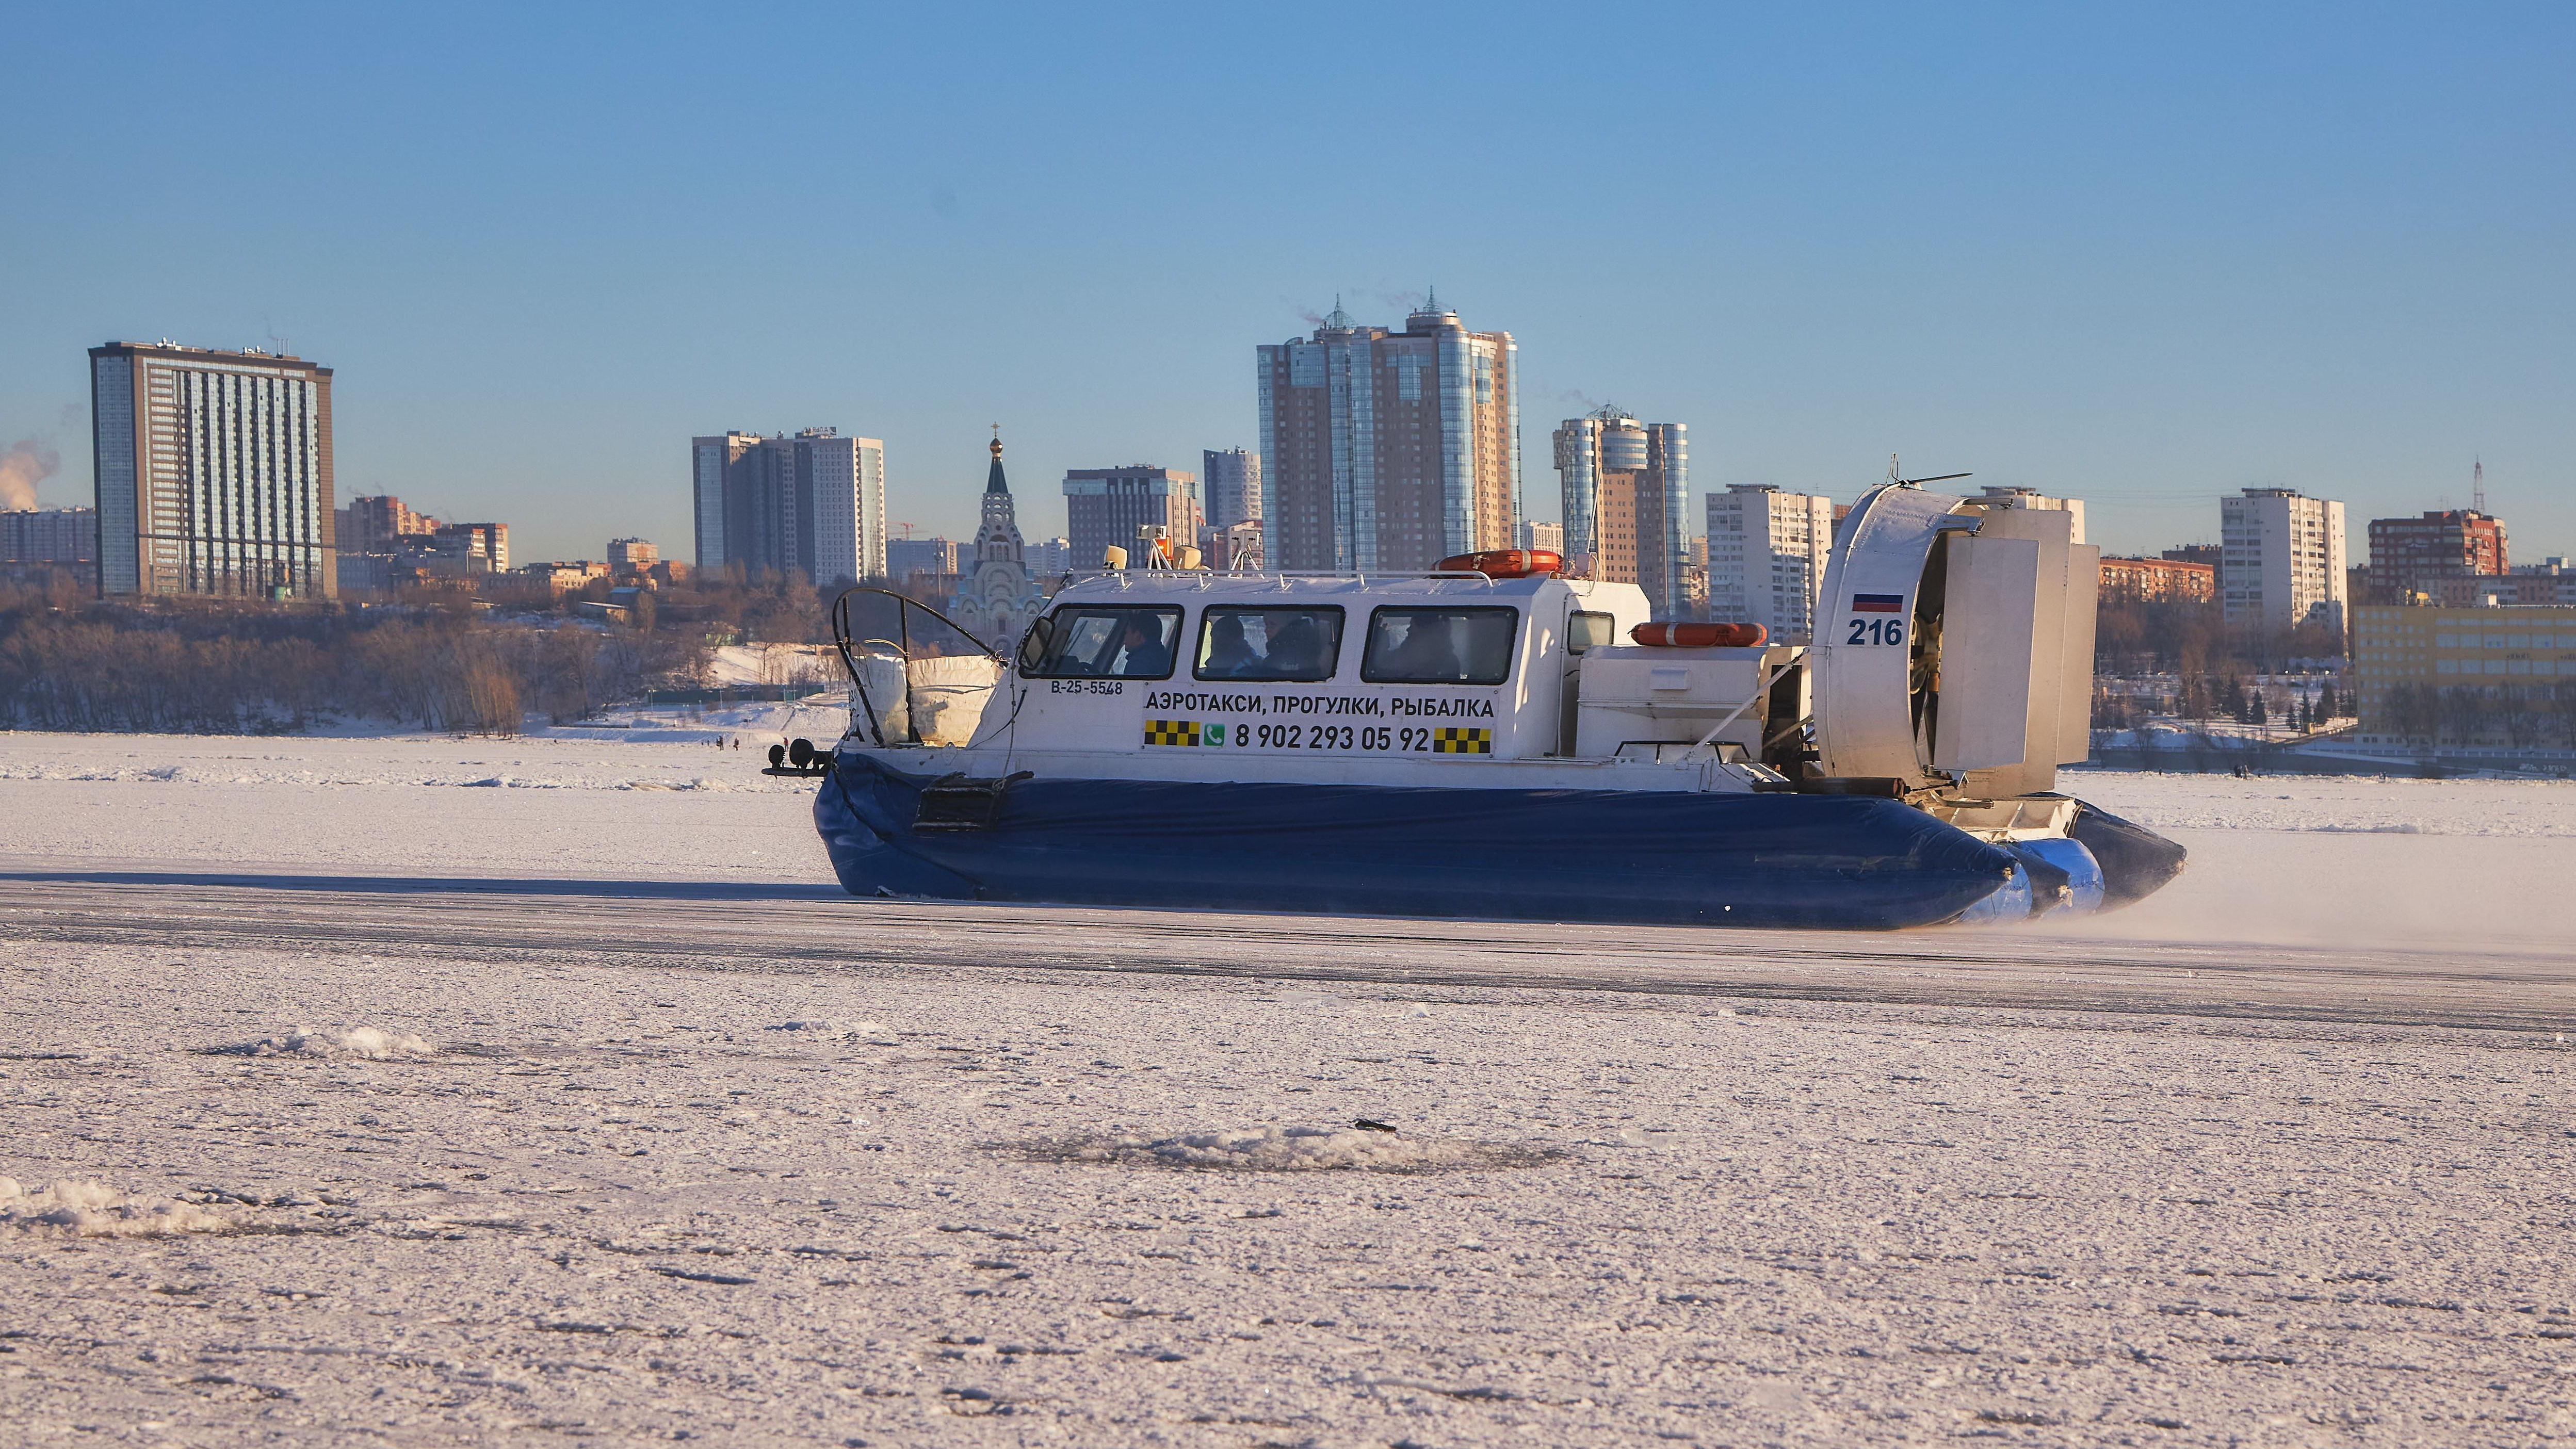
point(1384, 450)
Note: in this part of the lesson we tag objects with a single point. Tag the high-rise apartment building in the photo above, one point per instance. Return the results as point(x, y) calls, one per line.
point(843, 481)
point(1104, 507)
point(214, 471)
point(1388, 451)
point(37, 541)
point(713, 465)
point(1050, 557)
point(1233, 480)
point(1766, 558)
point(2411, 555)
point(1549, 536)
point(2281, 560)
point(811, 504)
point(1626, 495)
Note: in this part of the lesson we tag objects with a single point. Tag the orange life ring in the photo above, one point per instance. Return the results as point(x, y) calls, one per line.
point(1504, 563)
point(1699, 636)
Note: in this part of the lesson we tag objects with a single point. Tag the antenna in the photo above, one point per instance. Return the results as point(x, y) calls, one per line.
point(2478, 484)
point(1896, 478)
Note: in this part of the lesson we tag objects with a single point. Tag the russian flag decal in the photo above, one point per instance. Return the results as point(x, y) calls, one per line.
point(1878, 603)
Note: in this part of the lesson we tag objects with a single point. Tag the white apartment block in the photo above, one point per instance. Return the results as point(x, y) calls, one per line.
point(1766, 558)
point(2281, 560)
point(846, 479)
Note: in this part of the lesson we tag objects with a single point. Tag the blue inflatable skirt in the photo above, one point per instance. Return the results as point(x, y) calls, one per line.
point(1837, 862)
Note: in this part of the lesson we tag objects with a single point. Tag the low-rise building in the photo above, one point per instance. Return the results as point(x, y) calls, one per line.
point(930, 557)
point(563, 576)
point(2521, 587)
point(2476, 677)
point(2158, 581)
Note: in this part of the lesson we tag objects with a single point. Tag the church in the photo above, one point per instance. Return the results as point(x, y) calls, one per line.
point(996, 596)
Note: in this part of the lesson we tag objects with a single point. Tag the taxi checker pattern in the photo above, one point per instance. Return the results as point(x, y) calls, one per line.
point(1458, 740)
point(1190, 733)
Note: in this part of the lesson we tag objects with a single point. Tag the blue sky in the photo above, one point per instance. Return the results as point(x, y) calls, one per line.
point(2145, 255)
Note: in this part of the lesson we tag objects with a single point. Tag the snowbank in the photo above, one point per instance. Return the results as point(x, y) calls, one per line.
point(77, 1209)
point(366, 1043)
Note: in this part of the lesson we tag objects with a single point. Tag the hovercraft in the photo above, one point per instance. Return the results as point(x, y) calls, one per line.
point(1495, 740)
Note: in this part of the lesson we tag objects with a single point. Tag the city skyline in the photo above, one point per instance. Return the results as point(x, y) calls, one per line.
point(2077, 273)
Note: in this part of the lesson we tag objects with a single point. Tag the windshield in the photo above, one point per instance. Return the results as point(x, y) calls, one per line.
point(1277, 644)
point(1459, 645)
point(1109, 642)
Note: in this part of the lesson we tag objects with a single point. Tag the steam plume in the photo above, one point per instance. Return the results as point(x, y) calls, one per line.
point(26, 464)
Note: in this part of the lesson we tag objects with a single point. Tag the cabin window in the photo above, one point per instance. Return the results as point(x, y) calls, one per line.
point(1588, 630)
point(1278, 645)
point(1105, 641)
point(1439, 645)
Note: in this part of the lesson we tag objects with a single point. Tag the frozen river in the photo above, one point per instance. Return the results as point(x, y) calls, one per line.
point(428, 1091)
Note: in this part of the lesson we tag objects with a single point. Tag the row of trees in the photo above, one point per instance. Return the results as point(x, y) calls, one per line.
point(778, 608)
point(71, 662)
point(2133, 637)
point(2214, 672)
point(2199, 697)
point(2521, 716)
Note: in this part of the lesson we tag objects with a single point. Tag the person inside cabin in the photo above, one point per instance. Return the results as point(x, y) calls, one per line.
point(1144, 649)
point(1230, 653)
point(1429, 652)
point(1297, 651)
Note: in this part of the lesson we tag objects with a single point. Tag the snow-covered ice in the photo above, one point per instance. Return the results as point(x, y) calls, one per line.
point(675, 1142)
point(1375, 1147)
